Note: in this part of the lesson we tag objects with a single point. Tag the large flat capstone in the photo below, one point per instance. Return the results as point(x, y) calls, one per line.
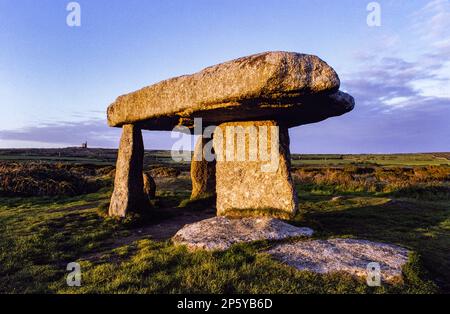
point(219, 233)
point(289, 87)
point(343, 255)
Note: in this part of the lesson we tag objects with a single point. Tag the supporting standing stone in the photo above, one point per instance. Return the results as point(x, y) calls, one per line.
point(128, 192)
point(203, 172)
point(253, 169)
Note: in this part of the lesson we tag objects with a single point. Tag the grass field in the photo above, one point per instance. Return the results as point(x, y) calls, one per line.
point(39, 236)
point(372, 159)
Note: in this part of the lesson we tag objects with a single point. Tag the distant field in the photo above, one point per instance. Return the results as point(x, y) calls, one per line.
point(427, 159)
point(108, 156)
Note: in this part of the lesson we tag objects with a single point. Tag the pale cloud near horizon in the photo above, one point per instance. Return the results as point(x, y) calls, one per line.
point(69, 133)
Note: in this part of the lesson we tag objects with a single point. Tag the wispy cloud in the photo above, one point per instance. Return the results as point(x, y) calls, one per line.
point(432, 23)
point(386, 80)
point(95, 132)
point(390, 83)
point(402, 100)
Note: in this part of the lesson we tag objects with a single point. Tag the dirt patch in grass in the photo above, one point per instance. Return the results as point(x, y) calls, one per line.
point(158, 230)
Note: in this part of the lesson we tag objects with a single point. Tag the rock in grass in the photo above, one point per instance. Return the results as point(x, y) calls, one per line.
point(149, 186)
point(219, 233)
point(343, 255)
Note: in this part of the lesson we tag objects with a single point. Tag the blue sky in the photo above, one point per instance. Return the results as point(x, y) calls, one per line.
point(56, 81)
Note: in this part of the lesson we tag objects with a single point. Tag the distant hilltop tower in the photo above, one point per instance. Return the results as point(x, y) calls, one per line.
point(84, 145)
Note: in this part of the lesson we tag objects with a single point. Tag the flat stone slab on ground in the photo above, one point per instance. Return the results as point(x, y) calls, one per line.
point(347, 255)
point(219, 233)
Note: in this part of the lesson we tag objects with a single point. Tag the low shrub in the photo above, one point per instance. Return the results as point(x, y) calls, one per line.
point(428, 182)
point(45, 179)
point(164, 172)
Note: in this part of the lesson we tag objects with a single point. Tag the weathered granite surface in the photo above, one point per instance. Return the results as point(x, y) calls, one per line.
point(219, 233)
point(203, 172)
point(261, 185)
point(285, 86)
point(346, 255)
point(128, 194)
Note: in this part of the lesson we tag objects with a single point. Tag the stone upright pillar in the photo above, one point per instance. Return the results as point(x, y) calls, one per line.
point(149, 186)
point(203, 172)
point(253, 170)
point(128, 195)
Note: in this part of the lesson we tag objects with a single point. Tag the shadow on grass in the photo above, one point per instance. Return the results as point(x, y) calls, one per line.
point(202, 203)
